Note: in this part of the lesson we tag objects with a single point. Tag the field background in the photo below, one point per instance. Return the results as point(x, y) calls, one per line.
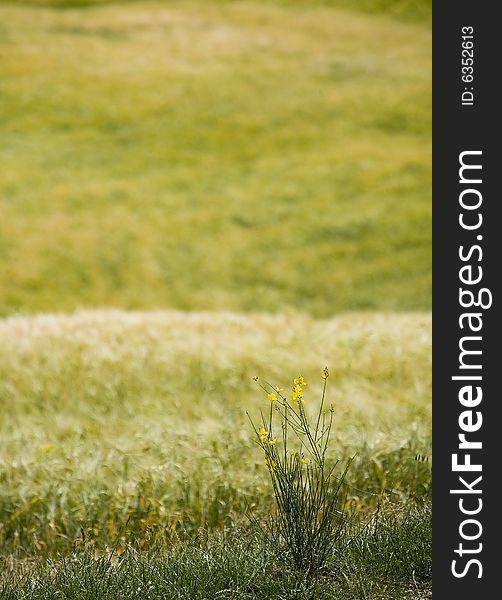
point(245, 156)
point(194, 193)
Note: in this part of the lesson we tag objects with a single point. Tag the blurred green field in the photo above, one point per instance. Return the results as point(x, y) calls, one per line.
point(209, 155)
point(417, 10)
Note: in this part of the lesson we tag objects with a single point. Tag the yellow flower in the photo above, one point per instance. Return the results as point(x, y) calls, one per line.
point(273, 441)
point(296, 394)
point(272, 397)
point(293, 452)
point(299, 380)
point(263, 434)
point(304, 460)
point(279, 390)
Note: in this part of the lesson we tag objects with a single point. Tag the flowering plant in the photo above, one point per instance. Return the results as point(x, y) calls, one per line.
point(307, 487)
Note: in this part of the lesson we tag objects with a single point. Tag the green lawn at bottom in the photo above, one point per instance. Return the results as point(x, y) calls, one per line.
point(201, 155)
point(388, 558)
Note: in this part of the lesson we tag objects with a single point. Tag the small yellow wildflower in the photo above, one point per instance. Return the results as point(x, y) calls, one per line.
point(279, 390)
point(293, 452)
point(263, 434)
point(299, 380)
point(272, 397)
point(273, 441)
point(304, 460)
point(296, 394)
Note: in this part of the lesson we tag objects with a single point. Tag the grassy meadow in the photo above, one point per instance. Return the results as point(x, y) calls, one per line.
point(139, 418)
point(194, 193)
point(208, 155)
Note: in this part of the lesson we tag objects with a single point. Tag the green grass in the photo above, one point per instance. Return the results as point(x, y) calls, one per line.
point(388, 560)
point(114, 416)
point(208, 155)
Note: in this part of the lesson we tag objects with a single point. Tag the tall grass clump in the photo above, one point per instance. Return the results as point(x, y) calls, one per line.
point(307, 485)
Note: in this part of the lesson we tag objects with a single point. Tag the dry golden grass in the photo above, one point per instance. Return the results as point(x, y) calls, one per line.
point(111, 413)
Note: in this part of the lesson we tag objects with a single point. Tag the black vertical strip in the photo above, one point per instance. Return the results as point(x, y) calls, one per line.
point(472, 126)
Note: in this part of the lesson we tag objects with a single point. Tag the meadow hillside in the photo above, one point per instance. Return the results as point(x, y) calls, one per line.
point(114, 415)
point(195, 193)
point(214, 155)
